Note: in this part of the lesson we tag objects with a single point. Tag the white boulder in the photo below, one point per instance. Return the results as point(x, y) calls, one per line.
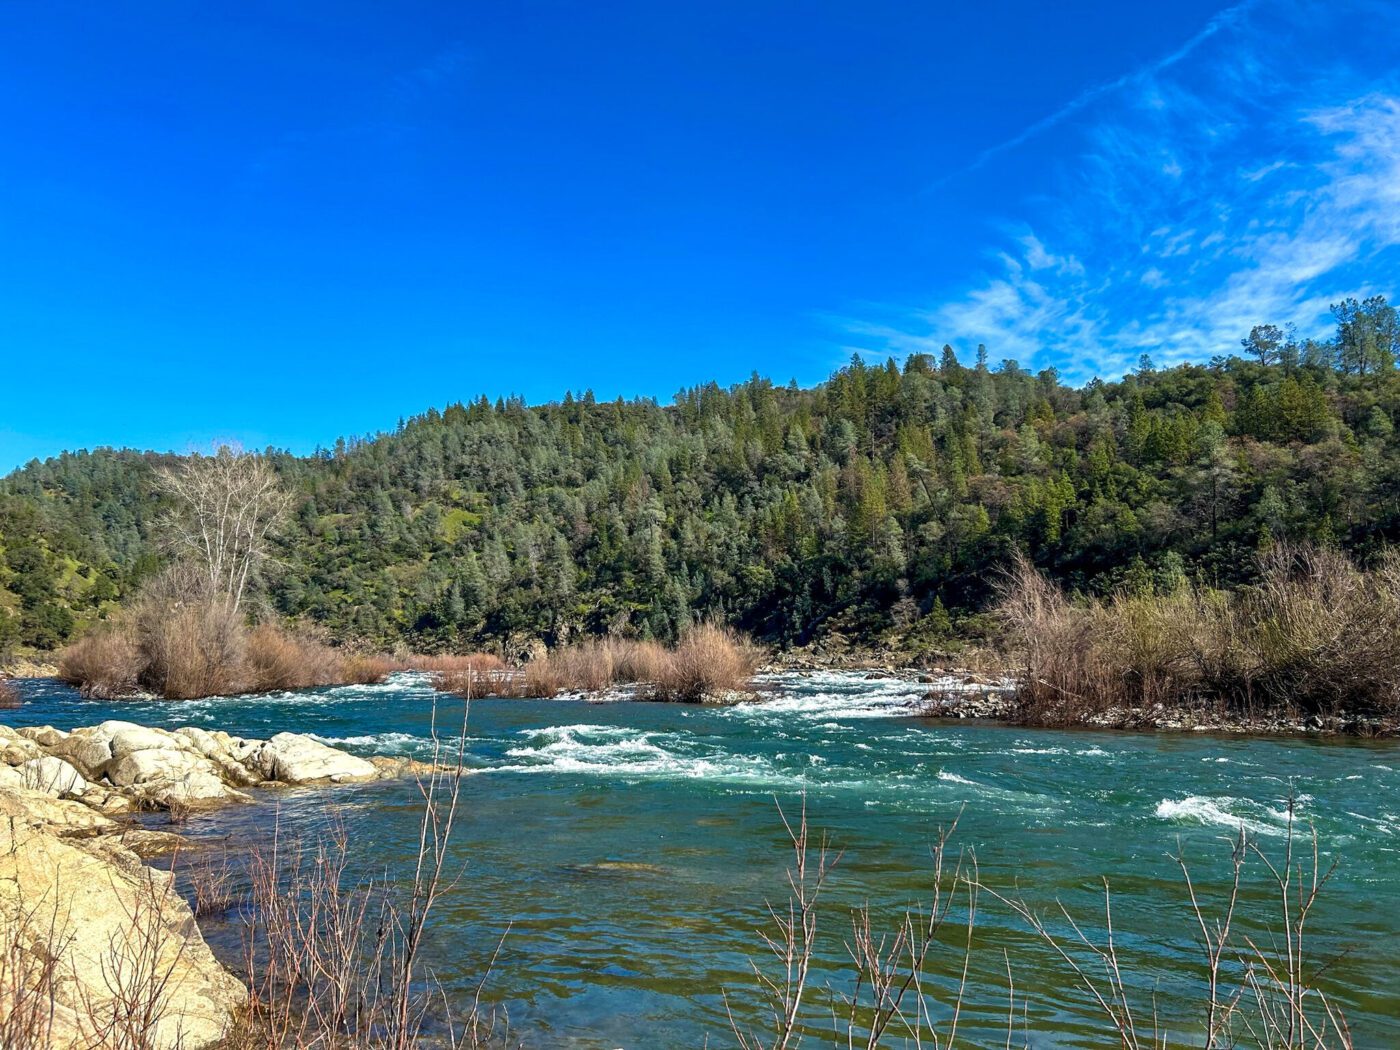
point(296, 759)
point(142, 767)
point(52, 776)
point(141, 738)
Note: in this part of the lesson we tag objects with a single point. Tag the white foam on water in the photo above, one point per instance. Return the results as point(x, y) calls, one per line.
point(953, 778)
point(1023, 803)
point(1280, 813)
point(1221, 810)
point(821, 696)
point(400, 682)
point(1385, 823)
point(381, 743)
point(625, 752)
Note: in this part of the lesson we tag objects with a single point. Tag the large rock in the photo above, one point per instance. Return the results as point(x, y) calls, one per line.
point(22, 807)
point(109, 926)
point(229, 754)
point(86, 749)
point(130, 739)
point(165, 776)
point(18, 752)
point(196, 786)
point(52, 776)
point(15, 750)
point(45, 736)
point(149, 766)
point(202, 740)
point(296, 759)
point(91, 750)
point(142, 767)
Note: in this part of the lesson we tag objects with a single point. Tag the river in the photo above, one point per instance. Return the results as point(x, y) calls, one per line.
point(631, 847)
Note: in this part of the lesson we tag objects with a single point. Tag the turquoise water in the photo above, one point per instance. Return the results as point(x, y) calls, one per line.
point(631, 846)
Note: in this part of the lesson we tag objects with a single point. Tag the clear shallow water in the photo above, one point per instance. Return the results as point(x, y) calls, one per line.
point(632, 846)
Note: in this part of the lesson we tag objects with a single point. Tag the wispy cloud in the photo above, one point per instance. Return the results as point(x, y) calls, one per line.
point(1225, 19)
point(1257, 182)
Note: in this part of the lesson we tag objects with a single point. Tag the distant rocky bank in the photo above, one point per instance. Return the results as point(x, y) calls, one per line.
point(80, 911)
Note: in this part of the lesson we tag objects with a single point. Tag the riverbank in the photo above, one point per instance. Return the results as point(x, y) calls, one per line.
point(975, 684)
point(963, 693)
point(40, 665)
point(96, 947)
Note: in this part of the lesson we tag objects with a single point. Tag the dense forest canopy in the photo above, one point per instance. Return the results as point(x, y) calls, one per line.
point(878, 504)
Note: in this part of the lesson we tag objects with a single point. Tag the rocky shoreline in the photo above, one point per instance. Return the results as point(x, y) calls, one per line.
point(1161, 719)
point(962, 693)
point(82, 915)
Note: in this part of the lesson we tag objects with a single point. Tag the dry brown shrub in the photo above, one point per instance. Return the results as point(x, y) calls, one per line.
point(104, 664)
point(587, 666)
point(542, 678)
point(211, 885)
point(276, 660)
point(367, 669)
point(333, 958)
point(36, 944)
point(1321, 634)
point(467, 674)
point(450, 663)
point(180, 644)
point(1249, 991)
point(708, 661)
point(190, 638)
point(1315, 635)
point(640, 661)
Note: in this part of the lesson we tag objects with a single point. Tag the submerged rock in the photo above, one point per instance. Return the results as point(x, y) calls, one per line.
point(616, 867)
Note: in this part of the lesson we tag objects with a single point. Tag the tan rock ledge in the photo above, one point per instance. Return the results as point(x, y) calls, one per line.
point(83, 921)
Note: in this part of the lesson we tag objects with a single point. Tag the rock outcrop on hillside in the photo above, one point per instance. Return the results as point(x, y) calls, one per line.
point(97, 948)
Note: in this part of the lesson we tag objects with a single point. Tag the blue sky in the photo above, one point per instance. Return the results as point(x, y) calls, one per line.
point(279, 223)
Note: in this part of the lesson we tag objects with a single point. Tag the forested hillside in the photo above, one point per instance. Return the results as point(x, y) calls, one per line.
point(877, 504)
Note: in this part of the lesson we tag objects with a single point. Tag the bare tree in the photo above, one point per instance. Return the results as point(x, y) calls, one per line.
point(229, 504)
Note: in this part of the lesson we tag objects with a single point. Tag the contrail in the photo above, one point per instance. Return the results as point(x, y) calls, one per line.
point(1224, 20)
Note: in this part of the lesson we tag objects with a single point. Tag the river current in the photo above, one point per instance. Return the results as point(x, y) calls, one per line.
point(630, 847)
